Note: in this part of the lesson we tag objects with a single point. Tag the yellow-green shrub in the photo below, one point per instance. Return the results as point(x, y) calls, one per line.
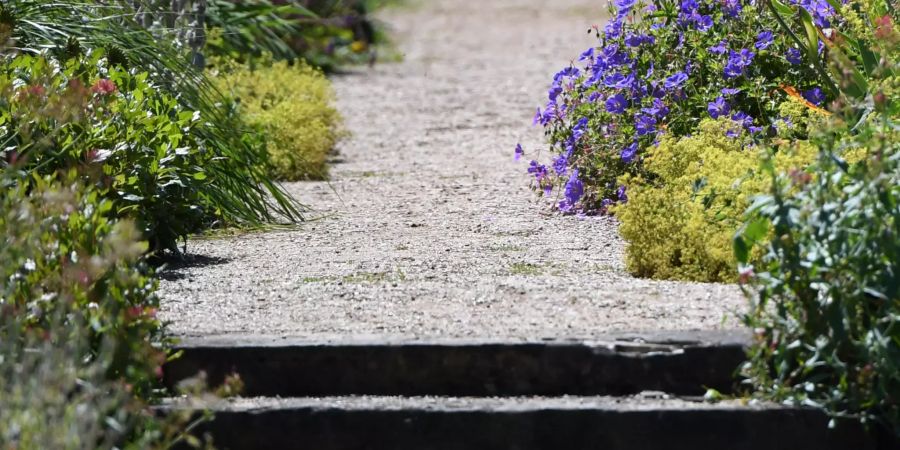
point(680, 223)
point(292, 106)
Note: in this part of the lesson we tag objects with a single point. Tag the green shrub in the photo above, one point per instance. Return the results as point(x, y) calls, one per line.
point(135, 142)
point(826, 294)
point(53, 397)
point(239, 190)
point(292, 105)
point(81, 349)
point(679, 221)
point(62, 252)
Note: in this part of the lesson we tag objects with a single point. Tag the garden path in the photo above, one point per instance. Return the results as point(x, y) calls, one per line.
point(428, 228)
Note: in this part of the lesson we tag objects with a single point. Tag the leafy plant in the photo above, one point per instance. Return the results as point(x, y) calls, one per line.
point(55, 393)
point(136, 143)
point(62, 252)
point(292, 107)
point(826, 295)
point(249, 29)
point(325, 34)
point(240, 191)
point(81, 348)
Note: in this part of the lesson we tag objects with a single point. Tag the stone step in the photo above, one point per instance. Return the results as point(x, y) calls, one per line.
point(642, 422)
point(683, 363)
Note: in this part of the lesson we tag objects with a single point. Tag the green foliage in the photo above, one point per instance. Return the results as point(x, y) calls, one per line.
point(240, 191)
point(135, 142)
point(292, 105)
point(826, 294)
point(679, 220)
point(63, 252)
point(55, 393)
point(250, 29)
point(322, 33)
point(81, 348)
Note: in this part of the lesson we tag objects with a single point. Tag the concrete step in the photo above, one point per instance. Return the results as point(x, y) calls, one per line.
point(642, 422)
point(683, 363)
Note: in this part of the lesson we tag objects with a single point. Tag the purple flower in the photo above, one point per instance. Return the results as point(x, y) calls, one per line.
point(730, 91)
point(689, 6)
point(764, 40)
point(744, 119)
point(732, 8)
point(538, 170)
point(519, 152)
point(636, 40)
point(703, 23)
point(675, 80)
point(588, 54)
point(628, 153)
point(737, 62)
point(624, 5)
point(718, 108)
point(579, 129)
point(537, 117)
point(616, 104)
point(561, 164)
point(657, 109)
point(820, 10)
point(618, 81)
point(554, 92)
point(613, 28)
point(720, 49)
point(574, 188)
point(814, 96)
point(644, 124)
point(620, 192)
point(794, 56)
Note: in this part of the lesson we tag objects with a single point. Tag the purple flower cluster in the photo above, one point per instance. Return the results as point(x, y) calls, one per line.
point(794, 56)
point(820, 10)
point(689, 16)
point(621, 93)
point(738, 62)
point(572, 192)
point(718, 108)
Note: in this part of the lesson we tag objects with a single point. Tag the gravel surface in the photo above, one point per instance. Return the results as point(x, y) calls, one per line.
point(428, 228)
point(646, 401)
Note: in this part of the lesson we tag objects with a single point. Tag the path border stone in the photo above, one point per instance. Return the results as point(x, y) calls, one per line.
point(682, 363)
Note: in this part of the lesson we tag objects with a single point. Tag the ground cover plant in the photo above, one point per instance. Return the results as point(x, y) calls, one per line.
point(679, 222)
point(292, 107)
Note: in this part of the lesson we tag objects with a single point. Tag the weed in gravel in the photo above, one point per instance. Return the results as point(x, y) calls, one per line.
point(527, 269)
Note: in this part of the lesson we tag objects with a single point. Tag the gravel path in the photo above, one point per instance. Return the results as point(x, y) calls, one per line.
point(428, 227)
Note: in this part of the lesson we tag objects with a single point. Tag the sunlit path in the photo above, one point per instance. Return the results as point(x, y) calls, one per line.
point(429, 228)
